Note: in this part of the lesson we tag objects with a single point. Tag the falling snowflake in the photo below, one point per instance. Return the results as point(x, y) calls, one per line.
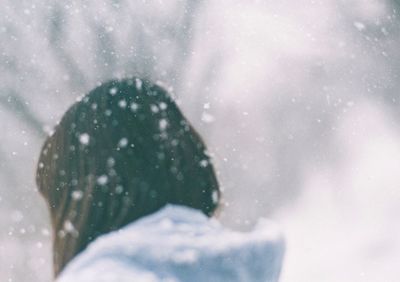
point(154, 108)
point(102, 180)
point(77, 195)
point(134, 107)
point(214, 197)
point(139, 84)
point(113, 91)
point(123, 142)
point(110, 162)
point(203, 163)
point(163, 106)
point(359, 25)
point(84, 138)
point(119, 189)
point(69, 227)
point(122, 104)
point(207, 118)
point(163, 124)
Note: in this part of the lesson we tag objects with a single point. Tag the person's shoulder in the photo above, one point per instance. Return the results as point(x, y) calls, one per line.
point(107, 269)
point(181, 244)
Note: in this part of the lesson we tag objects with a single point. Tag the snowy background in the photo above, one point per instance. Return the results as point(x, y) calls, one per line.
point(297, 100)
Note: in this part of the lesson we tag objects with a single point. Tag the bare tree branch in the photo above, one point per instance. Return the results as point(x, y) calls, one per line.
point(17, 107)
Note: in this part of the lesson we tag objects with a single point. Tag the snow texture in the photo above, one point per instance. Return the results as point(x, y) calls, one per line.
point(180, 244)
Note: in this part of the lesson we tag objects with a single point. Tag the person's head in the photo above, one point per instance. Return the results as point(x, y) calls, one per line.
point(122, 152)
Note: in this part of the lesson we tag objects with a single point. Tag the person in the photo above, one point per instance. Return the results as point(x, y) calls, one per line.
point(131, 191)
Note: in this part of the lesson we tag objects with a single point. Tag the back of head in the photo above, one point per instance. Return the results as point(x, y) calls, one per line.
point(122, 152)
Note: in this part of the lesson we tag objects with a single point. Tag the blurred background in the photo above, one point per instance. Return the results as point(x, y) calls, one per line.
point(298, 102)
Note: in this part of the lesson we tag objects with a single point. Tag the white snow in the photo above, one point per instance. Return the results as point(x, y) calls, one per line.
point(122, 104)
point(154, 108)
point(139, 84)
point(68, 226)
point(84, 138)
point(123, 142)
point(215, 197)
point(119, 189)
point(253, 56)
point(113, 91)
point(359, 25)
point(45, 232)
point(163, 106)
point(111, 161)
point(207, 118)
point(102, 180)
point(134, 106)
point(203, 163)
point(17, 216)
point(77, 195)
point(163, 124)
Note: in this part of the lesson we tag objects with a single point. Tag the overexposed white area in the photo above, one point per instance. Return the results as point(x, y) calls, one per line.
point(345, 219)
point(298, 102)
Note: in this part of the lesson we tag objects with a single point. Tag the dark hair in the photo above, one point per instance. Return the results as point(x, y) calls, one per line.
point(122, 152)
